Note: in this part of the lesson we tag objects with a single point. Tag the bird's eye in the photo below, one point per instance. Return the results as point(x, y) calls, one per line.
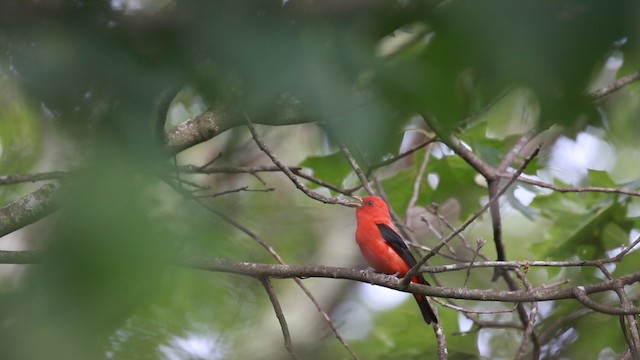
point(370, 202)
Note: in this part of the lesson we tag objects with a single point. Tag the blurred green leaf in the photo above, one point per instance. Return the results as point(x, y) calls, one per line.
point(455, 179)
point(580, 225)
point(600, 178)
point(331, 168)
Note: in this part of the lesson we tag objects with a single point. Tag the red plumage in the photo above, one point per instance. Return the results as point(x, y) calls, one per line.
point(384, 249)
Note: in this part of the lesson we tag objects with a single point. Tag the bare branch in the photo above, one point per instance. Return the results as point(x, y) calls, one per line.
point(28, 209)
point(312, 194)
point(321, 182)
point(580, 293)
point(441, 341)
point(327, 319)
point(292, 271)
point(23, 178)
point(529, 323)
point(513, 152)
point(266, 283)
point(24, 257)
point(279, 259)
point(527, 333)
point(193, 169)
point(453, 234)
point(468, 311)
point(201, 128)
point(224, 116)
point(417, 182)
point(632, 337)
point(479, 244)
point(232, 191)
point(363, 178)
point(565, 189)
point(280, 271)
point(393, 159)
point(616, 85)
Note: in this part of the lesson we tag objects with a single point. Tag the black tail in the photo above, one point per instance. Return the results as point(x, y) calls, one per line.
point(427, 311)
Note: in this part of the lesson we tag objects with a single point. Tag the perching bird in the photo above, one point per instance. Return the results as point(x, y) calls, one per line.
point(384, 249)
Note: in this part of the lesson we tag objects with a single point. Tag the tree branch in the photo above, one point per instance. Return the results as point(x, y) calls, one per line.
point(224, 116)
point(266, 283)
point(304, 271)
point(280, 271)
point(616, 85)
point(359, 173)
point(312, 194)
point(565, 189)
point(29, 209)
point(279, 259)
point(580, 293)
point(23, 178)
point(453, 234)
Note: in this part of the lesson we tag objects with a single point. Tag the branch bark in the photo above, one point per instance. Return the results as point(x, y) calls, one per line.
point(29, 209)
point(280, 271)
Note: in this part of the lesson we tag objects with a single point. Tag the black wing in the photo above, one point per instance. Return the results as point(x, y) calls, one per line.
point(395, 241)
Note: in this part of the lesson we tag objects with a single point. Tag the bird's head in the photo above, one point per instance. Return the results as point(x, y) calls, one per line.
point(372, 206)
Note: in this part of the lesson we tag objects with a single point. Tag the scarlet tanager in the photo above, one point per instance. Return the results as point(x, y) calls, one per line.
point(384, 249)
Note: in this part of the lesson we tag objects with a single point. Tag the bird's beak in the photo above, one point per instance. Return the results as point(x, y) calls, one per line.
point(357, 203)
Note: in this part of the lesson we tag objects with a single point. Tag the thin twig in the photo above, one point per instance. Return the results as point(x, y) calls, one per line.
point(240, 189)
point(275, 255)
point(468, 311)
point(393, 159)
point(462, 227)
point(440, 236)
point(434, 210)
point(321, 182)
point(428, 249)
point(266, 283)
point(297, 280)
point(616, 85)
point(210, 162)
point(632, 337)
point(194, 169)
point(326, 317)
point(359, 173)
point(496, 225)
point(479, 244)
point(22, 178)
point(580, 293)
point(513, 152)
point(418, 182)
point(312, 194)
point(529, 324)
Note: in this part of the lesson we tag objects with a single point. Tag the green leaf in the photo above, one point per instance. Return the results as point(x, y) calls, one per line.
point(457, 180)
point(330, 168)
point(583, 225)
point(600, 178)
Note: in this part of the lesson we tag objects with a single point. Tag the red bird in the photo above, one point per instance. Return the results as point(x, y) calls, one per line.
point(384, 249)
